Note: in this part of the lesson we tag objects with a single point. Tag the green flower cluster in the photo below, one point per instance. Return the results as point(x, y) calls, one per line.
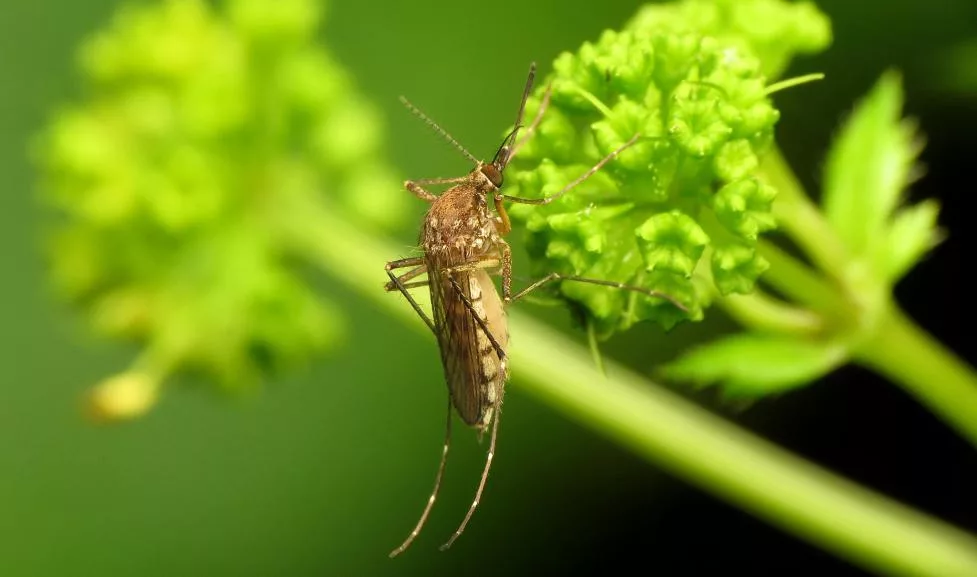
point(202, 134)
point(775, 31)
point(687, 191)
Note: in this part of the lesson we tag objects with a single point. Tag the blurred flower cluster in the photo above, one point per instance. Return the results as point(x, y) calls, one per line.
point(690, 78)
point(201, 134)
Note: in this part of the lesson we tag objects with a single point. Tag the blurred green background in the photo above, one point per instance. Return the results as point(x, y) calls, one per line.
point(323, 471)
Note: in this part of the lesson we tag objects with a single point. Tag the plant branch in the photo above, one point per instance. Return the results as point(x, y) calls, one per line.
point(762, 312)
point(903, 352)
point(795, 495)
point(798, 281)
point(890, 343)
point(800, 217)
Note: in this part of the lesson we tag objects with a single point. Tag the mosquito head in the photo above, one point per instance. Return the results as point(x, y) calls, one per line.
point(493, 173)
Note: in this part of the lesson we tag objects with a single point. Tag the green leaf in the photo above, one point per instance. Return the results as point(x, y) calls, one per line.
point(912, 234)
point(868, 166)
point(753, 365)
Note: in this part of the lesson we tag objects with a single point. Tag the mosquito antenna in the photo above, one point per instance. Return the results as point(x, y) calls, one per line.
point(417, 112)
point(434, 493)
point(504, 153)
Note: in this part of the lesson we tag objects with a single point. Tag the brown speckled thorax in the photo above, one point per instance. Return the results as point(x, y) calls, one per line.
point(459, 220)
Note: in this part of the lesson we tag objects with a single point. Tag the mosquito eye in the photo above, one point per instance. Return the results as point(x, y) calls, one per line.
point(493, 174)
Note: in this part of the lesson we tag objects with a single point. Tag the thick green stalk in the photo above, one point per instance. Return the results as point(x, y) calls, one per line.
point(906, 354)
point(854, 523)
point(799, 497)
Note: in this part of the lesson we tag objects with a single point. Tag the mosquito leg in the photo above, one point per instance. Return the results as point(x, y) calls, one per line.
point(418, 191)
point(415, 284)
point(506, 271)
point(416, 187)
point(502, 223)
point(405, 262)
point(434, 493)
point(428, 181)
point(477, 265)
point(483, 264)
point(478, 319)
point(403, 290)
point(578, 180)
point(557, 276)
point(505, 262)
point(489, 457)
point(406, 277)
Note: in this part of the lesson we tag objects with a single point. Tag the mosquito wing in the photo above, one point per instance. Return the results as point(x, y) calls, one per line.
point(473, 369)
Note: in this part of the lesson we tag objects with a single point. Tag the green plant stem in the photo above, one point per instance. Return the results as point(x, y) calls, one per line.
point(800, 217)
point(798, 281)
point(891, 344)
point(762, 312)
point(812, 503)
point(804, 499)
point(903, 352)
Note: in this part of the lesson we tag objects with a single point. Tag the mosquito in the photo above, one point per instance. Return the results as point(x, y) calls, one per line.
point(462, 245)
